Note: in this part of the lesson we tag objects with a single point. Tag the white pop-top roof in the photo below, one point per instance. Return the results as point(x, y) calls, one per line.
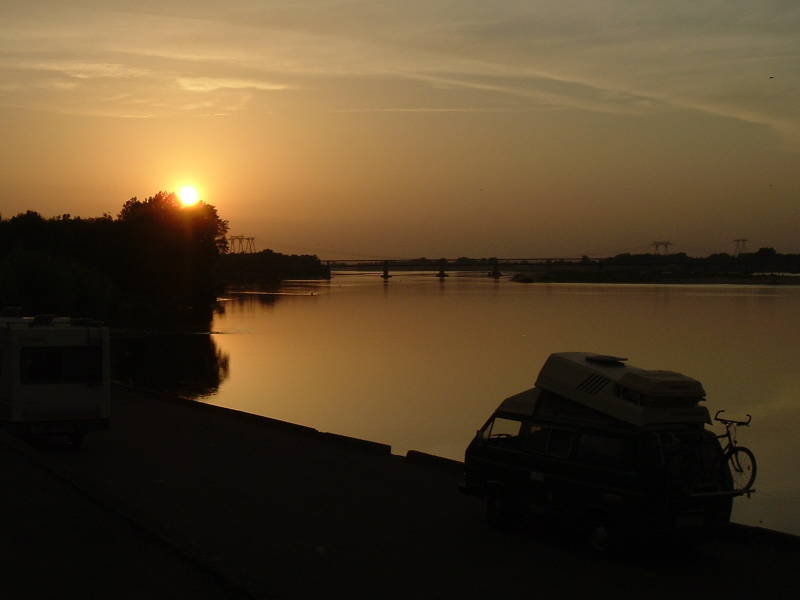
point(637, 396)
point(607, 386)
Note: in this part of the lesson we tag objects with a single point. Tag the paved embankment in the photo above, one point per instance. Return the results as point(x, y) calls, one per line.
point(274, 510)
point(57, 542)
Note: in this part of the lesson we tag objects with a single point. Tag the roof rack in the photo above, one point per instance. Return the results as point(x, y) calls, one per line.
point(86, 322)
point(606, 359)
point(41, 320)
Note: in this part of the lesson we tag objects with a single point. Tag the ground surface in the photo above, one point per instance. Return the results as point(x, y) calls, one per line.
point(177, 501)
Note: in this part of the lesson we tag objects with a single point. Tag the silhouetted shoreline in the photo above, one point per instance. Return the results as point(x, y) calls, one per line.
point(765, 267)
point(656, 278)
point(614, 277)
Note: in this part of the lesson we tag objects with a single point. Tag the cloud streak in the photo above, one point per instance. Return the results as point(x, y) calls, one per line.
point(87, 70)
point(210, 84)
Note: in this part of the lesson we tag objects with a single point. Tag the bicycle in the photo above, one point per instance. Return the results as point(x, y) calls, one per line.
point(741, 461)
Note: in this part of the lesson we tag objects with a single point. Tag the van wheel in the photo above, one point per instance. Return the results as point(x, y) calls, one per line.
point(76, 439)
point(500, 511)
point(26, 435)
point(601, 537)
point(492, 510)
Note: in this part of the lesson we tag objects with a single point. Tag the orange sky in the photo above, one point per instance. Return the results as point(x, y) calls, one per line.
point(436, 128)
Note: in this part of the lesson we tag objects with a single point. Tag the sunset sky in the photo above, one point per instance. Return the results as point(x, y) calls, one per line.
point(415, 128)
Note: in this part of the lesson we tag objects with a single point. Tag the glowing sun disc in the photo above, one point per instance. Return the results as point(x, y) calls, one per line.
point(188, 195)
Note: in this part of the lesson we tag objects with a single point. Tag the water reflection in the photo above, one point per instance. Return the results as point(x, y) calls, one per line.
point(190, 365)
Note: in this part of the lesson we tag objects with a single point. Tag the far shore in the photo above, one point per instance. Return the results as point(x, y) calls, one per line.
point(577, 275)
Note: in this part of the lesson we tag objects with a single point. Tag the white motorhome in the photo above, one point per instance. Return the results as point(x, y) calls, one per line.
point(54, 375)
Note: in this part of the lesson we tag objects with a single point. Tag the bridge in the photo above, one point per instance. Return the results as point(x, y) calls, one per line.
point(492, 266)
point(459, 264)
point(453, 263)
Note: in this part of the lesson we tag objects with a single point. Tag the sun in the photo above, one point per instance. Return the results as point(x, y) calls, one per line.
point(188, 195)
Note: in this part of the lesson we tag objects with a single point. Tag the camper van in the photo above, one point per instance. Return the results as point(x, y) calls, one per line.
point(54, 376)
point(612, 449)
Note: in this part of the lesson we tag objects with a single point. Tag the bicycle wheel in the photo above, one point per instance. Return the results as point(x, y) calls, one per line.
point(742, 465)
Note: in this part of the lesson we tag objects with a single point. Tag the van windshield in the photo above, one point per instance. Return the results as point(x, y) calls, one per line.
point(61, 364)
point(502, 428)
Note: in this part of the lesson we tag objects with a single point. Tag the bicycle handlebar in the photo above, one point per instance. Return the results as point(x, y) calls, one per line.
point(729, 421)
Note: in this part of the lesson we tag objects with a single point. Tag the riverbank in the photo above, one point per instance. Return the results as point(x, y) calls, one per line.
point(274, 509)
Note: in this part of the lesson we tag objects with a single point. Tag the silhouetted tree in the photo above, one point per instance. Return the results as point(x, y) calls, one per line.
point(156, 258)
point(173, 247)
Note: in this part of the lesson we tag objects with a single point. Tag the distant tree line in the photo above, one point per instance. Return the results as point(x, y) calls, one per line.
point(268, 267)
point(763, 261)
point(764, 266)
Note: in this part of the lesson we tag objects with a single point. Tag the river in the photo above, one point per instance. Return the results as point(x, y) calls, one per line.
point(420, 363)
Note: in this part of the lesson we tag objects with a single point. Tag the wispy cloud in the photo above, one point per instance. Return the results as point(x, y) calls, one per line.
point(210, 84)
point(589, 98)
point(88, 70)
point(197, 105)
point(57, 84)
point(77, 111)
point(424, 109)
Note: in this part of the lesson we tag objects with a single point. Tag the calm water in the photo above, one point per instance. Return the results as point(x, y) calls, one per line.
point(420, 364)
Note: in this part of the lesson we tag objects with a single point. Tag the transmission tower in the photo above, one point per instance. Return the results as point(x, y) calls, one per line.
point(741, 245)
point(241, 244)
point(658, 245)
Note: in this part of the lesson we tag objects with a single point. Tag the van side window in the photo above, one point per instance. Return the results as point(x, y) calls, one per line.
point(502, 429)
point(603, 451)
point(560, 443)
point(536, 439)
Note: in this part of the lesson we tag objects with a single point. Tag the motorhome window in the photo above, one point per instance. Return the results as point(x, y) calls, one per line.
point(502, 428)
point(60, 364)
point(603, 451)
point(560, 443)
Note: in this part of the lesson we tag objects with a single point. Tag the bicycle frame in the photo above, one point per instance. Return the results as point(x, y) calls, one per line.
point(731, 449)
point(730, 429)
